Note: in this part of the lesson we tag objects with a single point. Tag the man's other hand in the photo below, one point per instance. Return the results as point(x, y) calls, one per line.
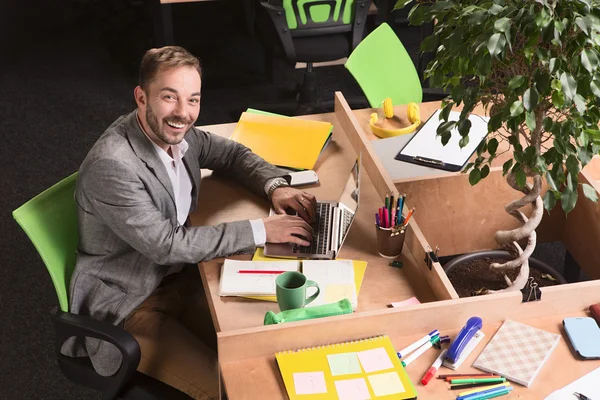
point(283, 228)
point(305, 204)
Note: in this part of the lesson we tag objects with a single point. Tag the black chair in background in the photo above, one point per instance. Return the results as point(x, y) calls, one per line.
point(310, 31)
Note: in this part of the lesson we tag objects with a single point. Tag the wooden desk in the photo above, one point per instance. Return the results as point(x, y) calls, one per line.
point(250, 372)
point(382, 284)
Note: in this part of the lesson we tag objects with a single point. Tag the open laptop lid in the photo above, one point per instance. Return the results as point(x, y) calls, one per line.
point(350, 197)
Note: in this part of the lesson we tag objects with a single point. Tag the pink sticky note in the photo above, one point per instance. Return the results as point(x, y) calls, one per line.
point(310, 383)
point(409, 302)
point(375, 360)
point(352, 389)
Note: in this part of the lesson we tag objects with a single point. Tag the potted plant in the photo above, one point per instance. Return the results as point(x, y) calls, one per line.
point(533, 65)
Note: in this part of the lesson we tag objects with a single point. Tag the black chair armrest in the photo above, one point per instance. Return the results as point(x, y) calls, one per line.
point(277, 16)
point(68, 325)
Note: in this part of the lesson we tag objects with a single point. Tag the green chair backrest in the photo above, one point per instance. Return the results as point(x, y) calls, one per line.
point(50, 221)
point(383, 68)
point(312, 14)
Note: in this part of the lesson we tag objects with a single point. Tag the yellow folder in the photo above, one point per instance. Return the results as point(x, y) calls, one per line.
point(286, 142)
point(359, 273)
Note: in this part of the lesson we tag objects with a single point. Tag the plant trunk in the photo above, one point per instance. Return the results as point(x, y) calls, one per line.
point(509, 239)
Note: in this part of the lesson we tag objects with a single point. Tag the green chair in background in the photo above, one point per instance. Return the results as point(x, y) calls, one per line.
point(50, 222)
point(382, 67)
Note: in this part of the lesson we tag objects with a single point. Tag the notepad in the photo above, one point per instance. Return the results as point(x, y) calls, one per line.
point(283, 141)
point(517, 352)
point(335, 279)
point(233, 283)
point(362, 369)
point(587, 385)
point(426, 148)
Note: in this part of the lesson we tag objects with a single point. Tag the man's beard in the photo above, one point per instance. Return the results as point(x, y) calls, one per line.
point(156, 129)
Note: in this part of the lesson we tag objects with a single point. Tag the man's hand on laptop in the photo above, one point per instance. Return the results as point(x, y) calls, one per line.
point(305, 204)
point(283, 228)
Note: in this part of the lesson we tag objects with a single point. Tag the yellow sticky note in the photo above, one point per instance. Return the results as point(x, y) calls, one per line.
point(335, 293)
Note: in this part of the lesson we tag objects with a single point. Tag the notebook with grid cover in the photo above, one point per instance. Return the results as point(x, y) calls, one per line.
point(517, 352)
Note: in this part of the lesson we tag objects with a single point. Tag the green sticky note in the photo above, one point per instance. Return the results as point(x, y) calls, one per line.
point(343, 364)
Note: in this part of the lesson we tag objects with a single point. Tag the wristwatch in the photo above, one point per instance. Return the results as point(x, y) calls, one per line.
point(277, 183)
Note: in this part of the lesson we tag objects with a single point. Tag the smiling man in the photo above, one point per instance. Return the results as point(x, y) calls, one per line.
point(137, 256)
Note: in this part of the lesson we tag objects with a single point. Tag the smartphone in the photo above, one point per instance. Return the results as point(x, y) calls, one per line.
point(584, 335)
point(300, 178)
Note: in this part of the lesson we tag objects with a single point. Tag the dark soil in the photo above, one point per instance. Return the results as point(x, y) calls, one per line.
point(469, 278)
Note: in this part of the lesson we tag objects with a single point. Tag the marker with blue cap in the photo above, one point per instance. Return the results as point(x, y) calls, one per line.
point(405, 351)
point(464, 336)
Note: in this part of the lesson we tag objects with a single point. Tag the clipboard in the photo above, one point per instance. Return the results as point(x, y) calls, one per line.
point(426, 148)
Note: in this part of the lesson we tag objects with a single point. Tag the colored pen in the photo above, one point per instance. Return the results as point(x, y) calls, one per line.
point(386, 223)
point(404, 352)
point(448, 379)
point(434, 367)
point(461, 375)
point(581, 396)
point(414, 355)
point(377, 221)
point(469, 385)
point(259, 271)
point(488, 394)
point(401, 205)
point(490, 380)
point(390, 210)
point(481, 389)
point(410, 213)
point(381, 217)
point(387, 201)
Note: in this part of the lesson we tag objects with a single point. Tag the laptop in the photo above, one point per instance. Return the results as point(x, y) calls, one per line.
point(331, 227)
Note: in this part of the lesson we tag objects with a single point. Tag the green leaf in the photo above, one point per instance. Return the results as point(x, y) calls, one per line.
point(477, 17)
point(445, 113)
point(506, 166)
point(440, 6)
point(520, 178)
point(549, 200)
point(530, 120)
point(558, 99)
point(589, 60)
point(446, 137)
point(568, 199)
point(445, 127)
point(516, 108)
point(542, 82)
point(429, 43)
point(569, 85)
point(516, 82)
point(502, 25)
point(492, 146)
point(595, 87)
point(496, 44)
point(572, 165)
point(554, 63)
point(582, 24)
point(530, 99)
point(485, 171)
point(590, 193)
point(463, 142)
point(584, 155)
point(416, 15)
point(464, 126)
point(551, 183)
point(495, 9)
point(580, 103)
point(401, 4)
point(474, 176)
point(556, 85)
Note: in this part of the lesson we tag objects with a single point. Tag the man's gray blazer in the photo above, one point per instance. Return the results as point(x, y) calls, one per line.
point(129, 236)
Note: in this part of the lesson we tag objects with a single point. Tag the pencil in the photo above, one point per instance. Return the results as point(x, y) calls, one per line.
point(410, 213)
point(458, 375)
point(259, 271)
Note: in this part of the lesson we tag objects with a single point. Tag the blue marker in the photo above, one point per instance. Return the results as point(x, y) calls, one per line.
point(487, 394)
point(401, 200)
point(404, 352)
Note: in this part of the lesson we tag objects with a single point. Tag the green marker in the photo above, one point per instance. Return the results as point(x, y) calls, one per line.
point(488, 380)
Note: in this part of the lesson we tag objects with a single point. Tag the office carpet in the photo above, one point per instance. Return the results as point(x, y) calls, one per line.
point(59, 91)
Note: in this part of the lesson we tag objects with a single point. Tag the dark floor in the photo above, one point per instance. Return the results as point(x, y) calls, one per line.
point(65, 75)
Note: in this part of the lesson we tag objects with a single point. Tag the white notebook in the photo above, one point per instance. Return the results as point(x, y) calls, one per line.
point(335, 279)
point(234, 283)
point(517, 352)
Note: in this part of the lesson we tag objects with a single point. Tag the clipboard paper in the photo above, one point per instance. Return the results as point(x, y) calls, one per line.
point(426, 148)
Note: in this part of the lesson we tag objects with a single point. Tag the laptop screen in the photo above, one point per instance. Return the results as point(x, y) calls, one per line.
point(351, 193)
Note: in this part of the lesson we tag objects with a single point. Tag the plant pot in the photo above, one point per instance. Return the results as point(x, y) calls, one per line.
point(533, 263)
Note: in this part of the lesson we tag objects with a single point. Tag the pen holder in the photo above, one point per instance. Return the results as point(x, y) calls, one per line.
point(389, 242)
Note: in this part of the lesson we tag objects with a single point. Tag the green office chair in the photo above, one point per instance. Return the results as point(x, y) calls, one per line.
point(50, 222)
point(383, 68)
point(311, 31)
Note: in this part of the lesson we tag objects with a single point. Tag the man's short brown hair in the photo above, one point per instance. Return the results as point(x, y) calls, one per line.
point(165, 58)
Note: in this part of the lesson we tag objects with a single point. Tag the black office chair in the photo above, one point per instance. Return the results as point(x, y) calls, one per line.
point(311, 31)
point(50, 222)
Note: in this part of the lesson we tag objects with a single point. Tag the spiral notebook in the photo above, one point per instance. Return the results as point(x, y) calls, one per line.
point(357, 370)
point(517, 352)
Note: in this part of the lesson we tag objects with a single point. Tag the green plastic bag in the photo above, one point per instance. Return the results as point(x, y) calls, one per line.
point(300, 314)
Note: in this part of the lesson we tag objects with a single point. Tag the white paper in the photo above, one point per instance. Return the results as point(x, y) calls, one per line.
point(587, 385)
point(427, 144)
point(233, 283)
point(335, 279)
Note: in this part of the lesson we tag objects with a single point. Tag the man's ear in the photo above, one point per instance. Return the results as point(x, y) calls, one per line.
point(140, 96)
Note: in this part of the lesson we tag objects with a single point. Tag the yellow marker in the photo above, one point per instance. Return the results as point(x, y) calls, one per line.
point(483, 388)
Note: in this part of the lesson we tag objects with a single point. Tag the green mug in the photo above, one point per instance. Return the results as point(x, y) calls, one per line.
point(290, 288)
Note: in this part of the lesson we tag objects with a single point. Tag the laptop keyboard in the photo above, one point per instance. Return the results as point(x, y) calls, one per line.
point(320, 227)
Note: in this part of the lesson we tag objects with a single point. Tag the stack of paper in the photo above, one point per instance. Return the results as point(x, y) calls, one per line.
point(283, 141)
point(234, 283)
point(335, 279)
point(517, 352)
